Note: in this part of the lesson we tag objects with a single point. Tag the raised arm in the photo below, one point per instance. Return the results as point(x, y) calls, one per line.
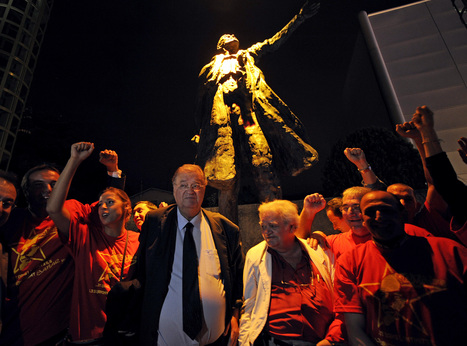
point(116, 178)
point(423, 119)
point(55, 205)
point(409, 130)
point(444, 176)
point(433, 198)
point(109, 159)
point(312, 205)
point(358, 158)
point(463, 149)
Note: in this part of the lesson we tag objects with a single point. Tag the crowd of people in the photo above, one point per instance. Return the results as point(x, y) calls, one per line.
point(73, 274)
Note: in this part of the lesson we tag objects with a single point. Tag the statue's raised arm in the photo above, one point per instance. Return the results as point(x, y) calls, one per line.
point(269, 45)
point(244, 126)
point(309, 9)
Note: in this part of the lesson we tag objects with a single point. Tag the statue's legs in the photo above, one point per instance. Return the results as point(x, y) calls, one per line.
point(260, 160)
point(240, 145)
point(227, 200)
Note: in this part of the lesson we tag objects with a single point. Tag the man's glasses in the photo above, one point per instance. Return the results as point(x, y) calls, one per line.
point(194, 187)
point(8, 204)
point(350, 207)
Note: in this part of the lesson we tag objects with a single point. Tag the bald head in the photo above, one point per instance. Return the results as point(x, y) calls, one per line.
point(382, 216)
point(406, 196)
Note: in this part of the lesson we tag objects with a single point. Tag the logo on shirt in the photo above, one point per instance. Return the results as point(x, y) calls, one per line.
point(30, 252)
point(113, 266)
point(397, 296)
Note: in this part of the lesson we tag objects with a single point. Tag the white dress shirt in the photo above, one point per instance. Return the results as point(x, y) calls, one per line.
point(210, 285)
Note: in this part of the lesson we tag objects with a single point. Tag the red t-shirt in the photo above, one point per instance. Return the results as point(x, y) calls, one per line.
point(301, 305)
point(414, 294)
point(342, 242)
point(431, 220)
point(40, 279)
point(98, 261)
point(461, 232)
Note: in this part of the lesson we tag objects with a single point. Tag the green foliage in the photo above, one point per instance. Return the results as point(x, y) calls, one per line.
point(392, 158)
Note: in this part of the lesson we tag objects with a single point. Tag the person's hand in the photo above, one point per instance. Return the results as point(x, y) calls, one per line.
point(314, 203)
point(423, 118)
point(308, 10)
point(408, 130)
point(163, 205)
point(318, 238)
point(463, 149)
point(357, 157)
point(109, 159)
point(234, 331)
point(81, 151)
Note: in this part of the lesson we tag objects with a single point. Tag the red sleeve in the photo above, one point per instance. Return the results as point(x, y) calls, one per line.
point(80, 216)
point(416, 231)
point(346, 289)
point(337, 331)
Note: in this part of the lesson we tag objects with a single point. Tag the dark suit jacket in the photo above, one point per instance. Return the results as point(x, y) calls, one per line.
point(155, 260)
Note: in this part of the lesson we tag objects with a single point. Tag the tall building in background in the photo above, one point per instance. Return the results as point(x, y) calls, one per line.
point(22, 28)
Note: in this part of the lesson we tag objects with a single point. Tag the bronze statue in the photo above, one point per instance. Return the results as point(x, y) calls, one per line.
point(244, 125)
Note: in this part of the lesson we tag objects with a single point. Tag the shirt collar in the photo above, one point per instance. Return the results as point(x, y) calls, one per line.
point(182, 221)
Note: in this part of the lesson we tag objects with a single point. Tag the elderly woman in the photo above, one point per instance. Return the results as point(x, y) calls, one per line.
point(288, 287)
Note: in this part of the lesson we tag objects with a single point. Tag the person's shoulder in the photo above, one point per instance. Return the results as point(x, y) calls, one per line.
point(133, 236)
point(332, 237)
point(319, 251)
point(339, 238)
point(416, 231)
point(160, 213)
point(220, 219)
point(255, 253)
point(258, 248)
point(359, 251)
point(75, 204)
point(446, 245)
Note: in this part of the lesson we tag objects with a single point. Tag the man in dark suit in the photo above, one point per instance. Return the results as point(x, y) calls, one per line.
point(161, 273)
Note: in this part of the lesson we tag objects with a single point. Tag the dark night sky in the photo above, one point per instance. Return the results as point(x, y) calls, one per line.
point(123, 74)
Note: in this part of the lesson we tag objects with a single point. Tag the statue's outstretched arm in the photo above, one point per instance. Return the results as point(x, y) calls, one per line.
point(308, 10)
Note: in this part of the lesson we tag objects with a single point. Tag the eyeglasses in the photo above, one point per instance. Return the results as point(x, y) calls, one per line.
point(194, 187)
point(300, 285)
point(353, 207)
point(293, 284)
point(269, 226)
point(8, 204)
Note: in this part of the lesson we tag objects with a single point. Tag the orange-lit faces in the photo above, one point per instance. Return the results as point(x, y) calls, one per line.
point(381, 216)
point(189, 189)
point(41, 184)
point(7, 199)
point(338, 223)
point(140, 212)
point(352, 215)
point(277, 234)
point(111, 209)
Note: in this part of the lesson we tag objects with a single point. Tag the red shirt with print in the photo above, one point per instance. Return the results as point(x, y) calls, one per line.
point(98, 263)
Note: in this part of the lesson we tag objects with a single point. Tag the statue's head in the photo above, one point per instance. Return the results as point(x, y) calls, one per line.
point(228, 42)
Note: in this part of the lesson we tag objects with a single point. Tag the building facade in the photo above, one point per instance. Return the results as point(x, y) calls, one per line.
point(22, 28)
